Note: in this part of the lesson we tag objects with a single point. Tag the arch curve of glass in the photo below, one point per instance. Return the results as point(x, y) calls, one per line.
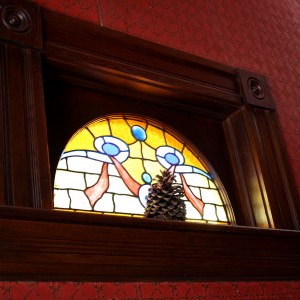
point(110, 163)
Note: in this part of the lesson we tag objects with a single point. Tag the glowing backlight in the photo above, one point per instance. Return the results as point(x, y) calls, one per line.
point(109, 165)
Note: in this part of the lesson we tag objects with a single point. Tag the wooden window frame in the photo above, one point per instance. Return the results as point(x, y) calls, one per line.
point(39, 243)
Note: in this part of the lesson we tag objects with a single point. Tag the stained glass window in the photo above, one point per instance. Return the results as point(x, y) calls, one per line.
point(109, 165)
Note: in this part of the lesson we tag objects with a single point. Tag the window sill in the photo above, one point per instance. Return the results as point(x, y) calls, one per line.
point(56, 245)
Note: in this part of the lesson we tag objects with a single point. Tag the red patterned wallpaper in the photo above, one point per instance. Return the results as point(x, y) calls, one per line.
point(149, 290)
point(262, 36)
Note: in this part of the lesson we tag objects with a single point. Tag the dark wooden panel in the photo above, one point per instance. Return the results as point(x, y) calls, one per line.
point(20, 22)
point(247, 172)
point(3, 130)
point(100, 48)
point(278, 185)
point(95, 247)
point(17, 184)
point(25, 141)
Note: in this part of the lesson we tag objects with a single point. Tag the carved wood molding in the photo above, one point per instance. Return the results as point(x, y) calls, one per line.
point(23, 133)
point(256, 89)
point(21, 23)
point(89, 70)
point(53, 245)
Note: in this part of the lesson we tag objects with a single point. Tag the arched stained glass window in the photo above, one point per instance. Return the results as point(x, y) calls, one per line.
point(109, 165)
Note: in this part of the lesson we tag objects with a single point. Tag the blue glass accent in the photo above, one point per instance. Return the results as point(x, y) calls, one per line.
point(196, 170)
point(147, 177)
point(139, 133)
point(172, 159)
point(110, 149)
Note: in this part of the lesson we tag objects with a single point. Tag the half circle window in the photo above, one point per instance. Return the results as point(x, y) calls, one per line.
point(110, 163)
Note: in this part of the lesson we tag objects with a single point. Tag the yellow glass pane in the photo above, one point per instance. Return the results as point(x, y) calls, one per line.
point(153, 168)
point(99, 128)
point(192, 160)
point(135, 150)
point(120, 129)
point(83, 140)
point(155, 137)
point(136, 122)
point(148, 152)
point(212, 184)
point(135, 168)
point(171, 141)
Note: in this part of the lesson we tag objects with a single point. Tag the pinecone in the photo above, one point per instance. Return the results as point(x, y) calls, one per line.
point(164, 199)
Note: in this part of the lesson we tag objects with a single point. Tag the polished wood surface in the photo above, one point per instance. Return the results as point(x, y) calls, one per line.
point(58, 76)
point(56, 245)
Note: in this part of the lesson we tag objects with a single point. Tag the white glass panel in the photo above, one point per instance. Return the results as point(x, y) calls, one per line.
point(191, 211)
point(221, 214)
point(196, 192)
point(62, 164)
point(82, 164)
point(180, 156)
point(127, 204)
point(117, 186)
point(209, 212)
point(163, 150)
point(143, 193)
point(183, 169)
point(98, 143)
point(79, 200)
point(69, 180)
point(91, 179)
point(105, 203)
point(196, 179)
point(211, 196)
point(61, 199)
point(99, 156)
point(122, 156)
point(163, 162)
point(112, 170)
point(74, 153)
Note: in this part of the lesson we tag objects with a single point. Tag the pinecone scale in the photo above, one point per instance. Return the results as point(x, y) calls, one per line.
point(164, 199)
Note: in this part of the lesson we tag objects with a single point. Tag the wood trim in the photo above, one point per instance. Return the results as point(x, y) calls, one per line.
point(38, 244)
point(54, 245)
point(21, 23)
point(26, 181)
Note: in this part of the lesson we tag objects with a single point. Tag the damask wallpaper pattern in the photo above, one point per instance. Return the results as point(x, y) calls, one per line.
point(260, 36)
point(149, 290)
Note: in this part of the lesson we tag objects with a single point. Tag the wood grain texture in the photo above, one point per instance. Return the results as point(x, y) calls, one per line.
point(54, 245)
point(21, 23)
point(90, 71)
